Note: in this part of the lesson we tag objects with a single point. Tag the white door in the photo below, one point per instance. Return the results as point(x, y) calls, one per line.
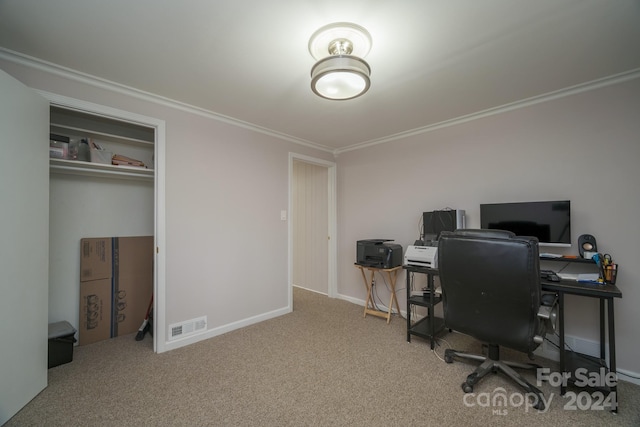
point(24, 244)
point(310, 227)
point(312, 238)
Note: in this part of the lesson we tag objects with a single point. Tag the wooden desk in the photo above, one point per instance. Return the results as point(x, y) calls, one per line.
point(369, 306)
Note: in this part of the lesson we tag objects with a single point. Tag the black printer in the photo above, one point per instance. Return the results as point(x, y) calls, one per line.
point(378, 253)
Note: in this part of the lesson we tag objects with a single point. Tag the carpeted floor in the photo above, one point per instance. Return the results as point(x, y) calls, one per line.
point(322, 365)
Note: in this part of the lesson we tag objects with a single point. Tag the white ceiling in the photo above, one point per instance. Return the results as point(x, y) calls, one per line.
point(431, 60)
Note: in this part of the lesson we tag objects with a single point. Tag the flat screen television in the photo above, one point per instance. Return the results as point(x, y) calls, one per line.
point(549, 221)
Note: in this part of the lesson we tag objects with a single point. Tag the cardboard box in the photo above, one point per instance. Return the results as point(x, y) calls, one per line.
point(132, 283)
point(60, 346)
point(95, 259)
point(95, 311)
point(117, 274)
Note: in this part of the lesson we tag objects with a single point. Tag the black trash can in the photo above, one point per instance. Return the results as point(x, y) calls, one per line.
point(61, 340)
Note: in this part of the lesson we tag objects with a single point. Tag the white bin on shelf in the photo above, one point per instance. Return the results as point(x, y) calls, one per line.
point(101, 156)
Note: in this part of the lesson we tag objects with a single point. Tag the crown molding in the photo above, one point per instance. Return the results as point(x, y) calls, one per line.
point(88, 79)
point(550, 96)
point(98, 82)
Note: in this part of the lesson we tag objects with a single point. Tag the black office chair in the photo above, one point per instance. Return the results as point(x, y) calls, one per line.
point(491, 291)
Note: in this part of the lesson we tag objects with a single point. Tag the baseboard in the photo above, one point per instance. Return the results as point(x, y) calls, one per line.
point(361, 302)
point(210, 333)
point(310, 290)
point(549, 348)
point(581, 345)
point(628, 376)
point(352, 300)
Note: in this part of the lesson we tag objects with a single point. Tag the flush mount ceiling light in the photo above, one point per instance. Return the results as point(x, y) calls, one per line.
point(340, 72)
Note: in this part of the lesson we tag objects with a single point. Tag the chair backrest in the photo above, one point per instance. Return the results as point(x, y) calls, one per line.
point(491, 286)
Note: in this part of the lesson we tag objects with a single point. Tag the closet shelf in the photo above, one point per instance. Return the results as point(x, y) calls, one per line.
point(75, 167)
point(66, 129)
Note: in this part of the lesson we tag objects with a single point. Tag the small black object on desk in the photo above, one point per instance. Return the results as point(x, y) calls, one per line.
point(549, 275)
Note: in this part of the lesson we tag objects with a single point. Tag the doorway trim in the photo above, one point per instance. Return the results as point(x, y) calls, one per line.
point(331, 221)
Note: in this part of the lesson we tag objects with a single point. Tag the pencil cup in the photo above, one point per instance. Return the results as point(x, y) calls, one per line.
point(610, 272)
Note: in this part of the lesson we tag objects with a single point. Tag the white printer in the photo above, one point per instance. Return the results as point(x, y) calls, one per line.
point(422, 256)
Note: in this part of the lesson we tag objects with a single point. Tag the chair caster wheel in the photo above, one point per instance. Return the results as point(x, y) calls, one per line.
point(467, 388)
point(448, 355)
point(539, 405)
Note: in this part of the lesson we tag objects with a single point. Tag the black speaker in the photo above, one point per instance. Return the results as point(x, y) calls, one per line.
point(587, 243)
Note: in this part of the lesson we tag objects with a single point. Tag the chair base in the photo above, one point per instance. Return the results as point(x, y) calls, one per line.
point(492, 364)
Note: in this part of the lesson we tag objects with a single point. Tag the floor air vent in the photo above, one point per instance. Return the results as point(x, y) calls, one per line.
point(187, 328)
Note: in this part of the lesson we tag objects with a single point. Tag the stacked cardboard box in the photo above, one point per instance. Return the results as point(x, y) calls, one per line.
point(95, 290)
point(116, 284)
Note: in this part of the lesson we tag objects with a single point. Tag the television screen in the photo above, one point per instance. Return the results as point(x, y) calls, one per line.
point(550, 221)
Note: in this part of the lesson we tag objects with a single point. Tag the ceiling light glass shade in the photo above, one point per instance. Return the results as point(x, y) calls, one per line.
point(340, 77)
point(340, 72)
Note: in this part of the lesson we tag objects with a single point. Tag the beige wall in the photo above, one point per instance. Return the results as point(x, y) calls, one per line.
point(226, 247)
point(583, 147)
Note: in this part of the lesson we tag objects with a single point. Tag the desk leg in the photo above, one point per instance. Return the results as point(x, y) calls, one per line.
point(612, 354)
point(431, 310)
point(563, 387)
point(408, 289)
point(369, 303)
point(394, 299)
point(367, 285)
point(602, 333)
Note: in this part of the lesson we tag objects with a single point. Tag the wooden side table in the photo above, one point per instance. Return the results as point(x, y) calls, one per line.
point(369, 306)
